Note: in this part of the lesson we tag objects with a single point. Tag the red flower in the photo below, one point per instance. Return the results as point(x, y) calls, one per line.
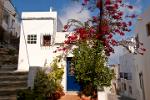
point(129, 23)
point(105, 28)
point(143, 49)
point(64, 49)
point(85, 2)
point(95, 19)
point(116, 6)
point(98, 3)
point(65, 27)
point(120, 13)
point(119, 1)
point(122, 33)
point(113, 42)
point(107, 2)
point(130, 7)
point(124, 24)
point(110, 36)
point(141, 53)
point(67, 41)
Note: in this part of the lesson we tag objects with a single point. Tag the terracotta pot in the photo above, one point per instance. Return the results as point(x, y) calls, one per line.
point(83, 97)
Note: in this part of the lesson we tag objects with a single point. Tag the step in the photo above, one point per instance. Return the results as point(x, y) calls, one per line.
point(10, 73)
point(14, 78)
point(12, 84)
point(9, 65)
point(8, 68)
point(10, 91)
point(9, 97)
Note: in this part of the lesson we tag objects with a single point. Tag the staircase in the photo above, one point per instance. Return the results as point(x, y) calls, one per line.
point(11, 81)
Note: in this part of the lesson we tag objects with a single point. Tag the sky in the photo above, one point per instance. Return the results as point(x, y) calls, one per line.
point(67, 9)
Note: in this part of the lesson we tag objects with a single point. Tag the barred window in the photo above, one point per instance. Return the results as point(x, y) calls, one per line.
point(46, 40)
point(125, 75)
point(31, 39)
point(121, 75)
point(148, 29)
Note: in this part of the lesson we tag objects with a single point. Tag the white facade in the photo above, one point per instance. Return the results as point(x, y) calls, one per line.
point(10, 21)
point(35, 53)
point(142, 62)
point(127, 78)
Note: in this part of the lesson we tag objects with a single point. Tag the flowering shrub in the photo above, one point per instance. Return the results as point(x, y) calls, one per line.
point(109, 22)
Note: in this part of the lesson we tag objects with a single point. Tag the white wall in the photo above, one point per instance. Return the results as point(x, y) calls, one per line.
point(35, 55)
point(127, 66)
point(142, 62)
point(13, 27)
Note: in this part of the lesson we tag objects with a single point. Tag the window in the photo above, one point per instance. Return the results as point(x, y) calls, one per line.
point(46, 40)
point(130, 89)
point(148, 29)
point(125, 88)
point(31, 39)
point(137, 42)
point(6, 17)
point(121, 75)
point(129, 76)
point(125, 75)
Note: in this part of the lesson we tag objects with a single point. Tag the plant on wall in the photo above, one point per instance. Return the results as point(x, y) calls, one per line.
point(47, 84)
point(90, 67)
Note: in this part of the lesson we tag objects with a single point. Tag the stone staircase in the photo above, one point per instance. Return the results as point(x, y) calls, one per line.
point(11, 81)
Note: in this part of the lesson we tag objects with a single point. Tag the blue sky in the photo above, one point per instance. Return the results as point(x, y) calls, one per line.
point(63, 7)
point(41, 5)
point(44, 5)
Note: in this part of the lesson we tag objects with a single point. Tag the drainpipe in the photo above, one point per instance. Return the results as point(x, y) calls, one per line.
point(1, 11)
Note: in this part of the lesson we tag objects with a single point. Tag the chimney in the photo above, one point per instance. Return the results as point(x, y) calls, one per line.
point(50, 9)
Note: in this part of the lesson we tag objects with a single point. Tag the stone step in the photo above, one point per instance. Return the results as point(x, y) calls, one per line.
point(14, 78)
point(12, 73)
point(9, 65)
point(8, 68)
point(9, 97)
point(10, 91)
point(14, 84)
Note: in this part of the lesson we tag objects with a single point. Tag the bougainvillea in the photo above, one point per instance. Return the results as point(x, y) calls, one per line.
point(95, 39)
point(110, 21)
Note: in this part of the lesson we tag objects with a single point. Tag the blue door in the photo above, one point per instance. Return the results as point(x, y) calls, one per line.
point(72, 84)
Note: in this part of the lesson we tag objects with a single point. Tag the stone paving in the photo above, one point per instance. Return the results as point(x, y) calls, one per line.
point(70, 97)
point(74, 96)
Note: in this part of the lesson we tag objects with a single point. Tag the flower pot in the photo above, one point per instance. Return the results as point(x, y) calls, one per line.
point(83, 97)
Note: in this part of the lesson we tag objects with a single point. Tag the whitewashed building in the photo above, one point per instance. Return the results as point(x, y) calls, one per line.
point(142, 62)
point(9, 20)
point(138, 65)
point(40, 37)
point(127, 85)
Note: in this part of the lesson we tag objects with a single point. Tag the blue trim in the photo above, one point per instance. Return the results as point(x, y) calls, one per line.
point(72, 84)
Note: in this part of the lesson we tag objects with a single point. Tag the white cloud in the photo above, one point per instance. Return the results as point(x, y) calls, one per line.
point(73, 12)
point(114, 58)
point(137, 7)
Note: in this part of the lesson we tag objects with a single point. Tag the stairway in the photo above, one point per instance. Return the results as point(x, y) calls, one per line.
point(11, 81)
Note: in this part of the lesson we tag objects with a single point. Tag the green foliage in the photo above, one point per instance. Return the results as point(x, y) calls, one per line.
point(26, 94)
point(47, 85)
point(43, 86)
point(56, 72)
point(90, 65)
